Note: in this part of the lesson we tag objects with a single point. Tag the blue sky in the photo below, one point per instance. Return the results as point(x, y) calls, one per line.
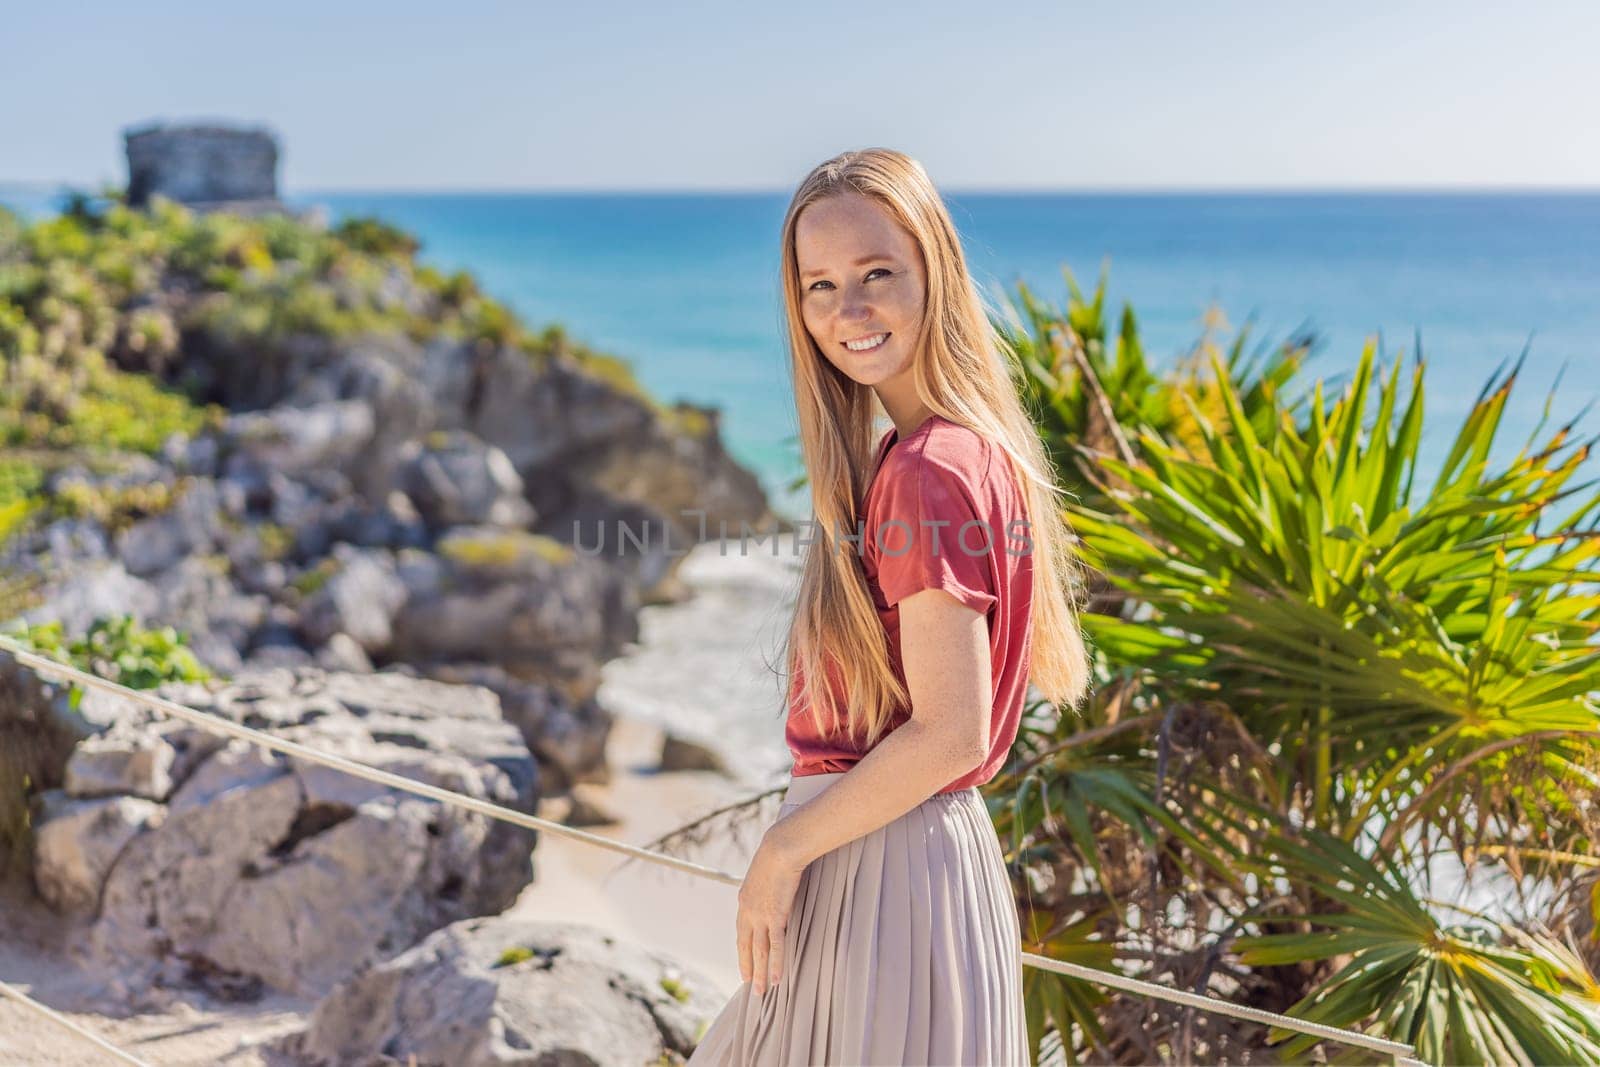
point(721, 95)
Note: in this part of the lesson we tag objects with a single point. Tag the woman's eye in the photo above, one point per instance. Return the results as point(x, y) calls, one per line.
point(870, 273)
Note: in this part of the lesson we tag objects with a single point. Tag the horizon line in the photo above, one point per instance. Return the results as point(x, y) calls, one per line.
point(954, 190)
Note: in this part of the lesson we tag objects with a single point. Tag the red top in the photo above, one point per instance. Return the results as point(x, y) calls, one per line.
point(942, 472)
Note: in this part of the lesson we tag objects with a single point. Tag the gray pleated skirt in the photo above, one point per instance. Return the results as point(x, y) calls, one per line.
point(903, 947)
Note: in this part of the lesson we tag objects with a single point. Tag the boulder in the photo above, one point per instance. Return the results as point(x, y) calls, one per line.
point(256, 856)
point(502, 991)
point(573, 434)
point(190, 525)
point(76, 597)
point(684, 474)
point(682, 754)
point(198, 597)
point(37, 729)
point(277, 656)
point(457, 480)
point(524, 602)
point(197, 454)
point(635, 538)
point(126, 763)
point(74, 542)
point(77, 841)
point(294, 440)
point(41, 726)
point(360, 599)
point(343, 653)
point(268, 577)
point(385, 371)
point(395, 523)
point(567, 736)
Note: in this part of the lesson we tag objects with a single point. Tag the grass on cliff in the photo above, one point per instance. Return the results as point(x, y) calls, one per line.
point(116, 648)
point(98, 303)
point(130, 285)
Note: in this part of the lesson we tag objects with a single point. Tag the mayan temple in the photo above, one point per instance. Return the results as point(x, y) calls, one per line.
point(204, 165)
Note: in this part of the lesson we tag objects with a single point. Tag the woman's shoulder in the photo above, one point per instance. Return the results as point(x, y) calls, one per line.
point(942, 449)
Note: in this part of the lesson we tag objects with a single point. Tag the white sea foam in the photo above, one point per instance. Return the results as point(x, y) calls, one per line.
point(709, 669)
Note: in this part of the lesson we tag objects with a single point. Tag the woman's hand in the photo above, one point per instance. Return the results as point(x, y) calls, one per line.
point(765, 899)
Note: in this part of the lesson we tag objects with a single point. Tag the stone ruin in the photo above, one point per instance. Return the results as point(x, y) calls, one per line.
point(204, 165)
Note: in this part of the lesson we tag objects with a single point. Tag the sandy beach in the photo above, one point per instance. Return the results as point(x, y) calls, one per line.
point(678, 664)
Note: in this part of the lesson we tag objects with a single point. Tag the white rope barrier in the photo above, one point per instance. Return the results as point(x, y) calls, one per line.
point(61, 1020)
point(218, 724)
point(1400, 1052)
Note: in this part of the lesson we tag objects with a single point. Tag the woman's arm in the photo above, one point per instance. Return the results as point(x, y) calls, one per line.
point(944, 648)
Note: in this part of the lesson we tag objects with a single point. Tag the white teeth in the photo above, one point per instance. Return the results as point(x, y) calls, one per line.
point(869, 343)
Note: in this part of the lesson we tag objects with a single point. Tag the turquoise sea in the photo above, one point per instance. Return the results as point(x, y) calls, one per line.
point(685, 286)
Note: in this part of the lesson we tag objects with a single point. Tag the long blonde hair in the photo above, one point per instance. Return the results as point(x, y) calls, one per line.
point(962, 372)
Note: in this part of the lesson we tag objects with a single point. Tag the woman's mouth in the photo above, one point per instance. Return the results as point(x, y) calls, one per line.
point(867, 344)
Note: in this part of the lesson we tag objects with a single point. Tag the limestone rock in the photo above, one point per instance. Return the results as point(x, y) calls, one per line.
point(682, 754)
point(278, 656)
point(294, 440)
point(567, 736)
point(190, 525)
point(73, 542)
point(360, 599)
point(524, 602)
point(457, 480)
point(502, 991)
point(343, 653)
point(132, 763)
point(264, 869)
point(77, 597)
point(40, 727)
point(76, 842)
point(197, 596)
point(635, 538)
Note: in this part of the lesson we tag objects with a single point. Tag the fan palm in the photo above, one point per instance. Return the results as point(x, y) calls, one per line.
point(1318, 669)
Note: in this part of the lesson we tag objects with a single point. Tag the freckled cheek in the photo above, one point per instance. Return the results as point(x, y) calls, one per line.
point(819, 313)
point(814, 324)
point(906, 308)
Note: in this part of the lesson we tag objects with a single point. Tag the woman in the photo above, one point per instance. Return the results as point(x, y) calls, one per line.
point(876, 923)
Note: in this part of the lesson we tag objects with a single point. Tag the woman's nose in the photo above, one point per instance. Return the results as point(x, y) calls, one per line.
point(854, 307)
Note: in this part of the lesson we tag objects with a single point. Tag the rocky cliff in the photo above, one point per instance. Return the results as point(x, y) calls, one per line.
point(361, 491)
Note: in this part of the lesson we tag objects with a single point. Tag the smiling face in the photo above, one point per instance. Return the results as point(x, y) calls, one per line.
point(862, 280)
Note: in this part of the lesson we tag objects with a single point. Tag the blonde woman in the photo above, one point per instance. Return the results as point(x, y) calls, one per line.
point(876, 923)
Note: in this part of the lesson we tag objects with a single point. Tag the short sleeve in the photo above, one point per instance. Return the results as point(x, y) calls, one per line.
point(930, 535)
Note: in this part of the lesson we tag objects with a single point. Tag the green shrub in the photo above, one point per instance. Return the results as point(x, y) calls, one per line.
point(115, 648)
point(114, 508)
point(119, 649)
point(20, 480)
point(131, 284)
point(376, 238)
point(1319, 670)
point(310, 580)
point(502, 548)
